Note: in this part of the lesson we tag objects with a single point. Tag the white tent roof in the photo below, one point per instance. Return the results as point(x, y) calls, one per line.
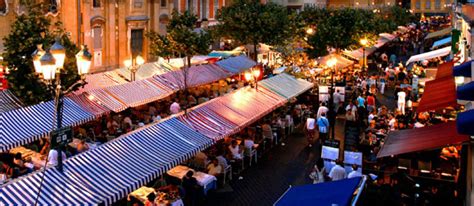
point(430, 55)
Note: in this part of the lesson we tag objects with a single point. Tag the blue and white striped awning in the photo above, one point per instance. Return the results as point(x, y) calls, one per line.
point(113, 170)
point(441, 42)
point(28, 124)
point(286, 85)
point(8, 101)
point(236, 64)
point(57, 189)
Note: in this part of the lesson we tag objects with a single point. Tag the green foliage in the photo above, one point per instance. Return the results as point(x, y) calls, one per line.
point(250, 22)
point(182, 38)
point(27, 31)
point(343, 28)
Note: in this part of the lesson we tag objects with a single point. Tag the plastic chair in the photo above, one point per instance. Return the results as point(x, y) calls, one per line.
point(250, 153)
point(228, 169)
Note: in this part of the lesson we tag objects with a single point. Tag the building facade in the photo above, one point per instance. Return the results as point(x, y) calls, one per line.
point(431, 6)
point(114, 30)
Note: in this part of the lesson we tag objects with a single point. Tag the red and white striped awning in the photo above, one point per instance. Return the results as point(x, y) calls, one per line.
point(102, 97)
point(196, 75)
point(91, 106)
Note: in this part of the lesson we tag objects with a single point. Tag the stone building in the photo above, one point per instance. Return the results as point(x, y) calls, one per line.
point(114, 30)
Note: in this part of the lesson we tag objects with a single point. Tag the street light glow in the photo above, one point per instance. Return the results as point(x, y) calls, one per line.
point(331, 62)
point(364, 42)
point(310, 31)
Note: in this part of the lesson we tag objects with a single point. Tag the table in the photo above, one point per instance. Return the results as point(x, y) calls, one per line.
point(37, 159)
point(142, 193)
point(205, 180)
point(76, 141)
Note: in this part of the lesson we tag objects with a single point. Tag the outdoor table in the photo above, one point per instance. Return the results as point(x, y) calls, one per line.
point(37, 159)
point(205, 180)
point(76, 141)
point(142, 193)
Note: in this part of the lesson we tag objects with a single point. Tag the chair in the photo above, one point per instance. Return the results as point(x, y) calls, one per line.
point(250, 153)
point(227, 170)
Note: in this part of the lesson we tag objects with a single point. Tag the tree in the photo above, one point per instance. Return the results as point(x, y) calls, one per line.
point(29, 30)
point(182, 39)
point(343, 28)
point(250, 22)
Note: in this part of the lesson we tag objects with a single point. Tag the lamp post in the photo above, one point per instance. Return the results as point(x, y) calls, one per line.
point(364, 43)
point(331, 63)
point(133, 65)
point(252, 76)
point(49, 64)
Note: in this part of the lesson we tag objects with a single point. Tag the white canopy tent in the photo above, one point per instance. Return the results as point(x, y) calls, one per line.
point(429, 55)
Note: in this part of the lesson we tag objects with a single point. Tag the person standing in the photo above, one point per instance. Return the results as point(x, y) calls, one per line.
point(337, 100)
point(337, 172)
point(191, 189)
point(354, 172)
point(322, 109)
point(401, 101)
point(323, 127)
point(310, 127)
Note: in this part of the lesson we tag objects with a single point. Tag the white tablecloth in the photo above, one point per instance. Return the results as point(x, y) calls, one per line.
point(142, 193)
point(203, 179)
point(76, 141)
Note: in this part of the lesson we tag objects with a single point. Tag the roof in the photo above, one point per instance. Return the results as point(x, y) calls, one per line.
point(466, 91)
point(439, 93)
point(441, 42)
point(430, 55)
point(464, 122)
point(425, 138)
point(439, 33)
point(341, 63)
point(327, 193)
point(464, 69)
point(286, 85)
point(445, 70)
point(468, 13)
point(236, 64)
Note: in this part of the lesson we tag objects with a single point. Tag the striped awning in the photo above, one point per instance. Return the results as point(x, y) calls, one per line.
point(286, 85)
point(102, 97)
point(8, 101)
point(144, 71)
point(342, 62)
point(90, 106)
point(28, 124)
point(236, 64)
point(138, 93)
point(113, 170)
point(101, 80)
point(246, 105)
point(57, 189)
point(196, 75)
point(208, 122)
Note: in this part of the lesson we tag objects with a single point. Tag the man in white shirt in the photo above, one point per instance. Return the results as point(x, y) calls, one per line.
point(175, 108)
point(310, 127)
point(53, 157)
point(337, 99)
point(337, 172)
point(401, 101)
point(354, 172)
point(322, 109)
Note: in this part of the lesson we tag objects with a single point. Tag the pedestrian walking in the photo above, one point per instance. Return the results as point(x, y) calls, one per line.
point(310, 128)
point(323, 127)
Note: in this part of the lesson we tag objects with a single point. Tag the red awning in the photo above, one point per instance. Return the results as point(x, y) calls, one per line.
point(439, 93)
point(445, 70)
point(413, 140)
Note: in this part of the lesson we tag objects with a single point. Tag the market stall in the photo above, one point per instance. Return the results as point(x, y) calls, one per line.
point(8, 101)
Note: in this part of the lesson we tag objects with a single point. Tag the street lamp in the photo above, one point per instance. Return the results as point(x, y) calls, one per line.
point(252, 76)
point(310, 31)
point(49, 63)
point(364, 43)
point(331, 63)
point(133, 65)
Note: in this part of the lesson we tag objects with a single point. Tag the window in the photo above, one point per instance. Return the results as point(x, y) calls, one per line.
point(216, 7)
point(137, 4)
point(54, 6)
point(191, 6)
point(163, 3)
point(428, 4)
point(176, 5)
point(418, 4)
point(437, 4)
point(97, 45)
point(3, 7)
point(96, 3)
point(204, 9)
point(137, 42)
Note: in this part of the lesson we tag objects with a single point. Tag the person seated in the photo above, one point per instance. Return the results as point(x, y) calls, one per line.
point(200, 160)
point(214, 168)
point(82, 146)
point(235, 150)
point(249, 143)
